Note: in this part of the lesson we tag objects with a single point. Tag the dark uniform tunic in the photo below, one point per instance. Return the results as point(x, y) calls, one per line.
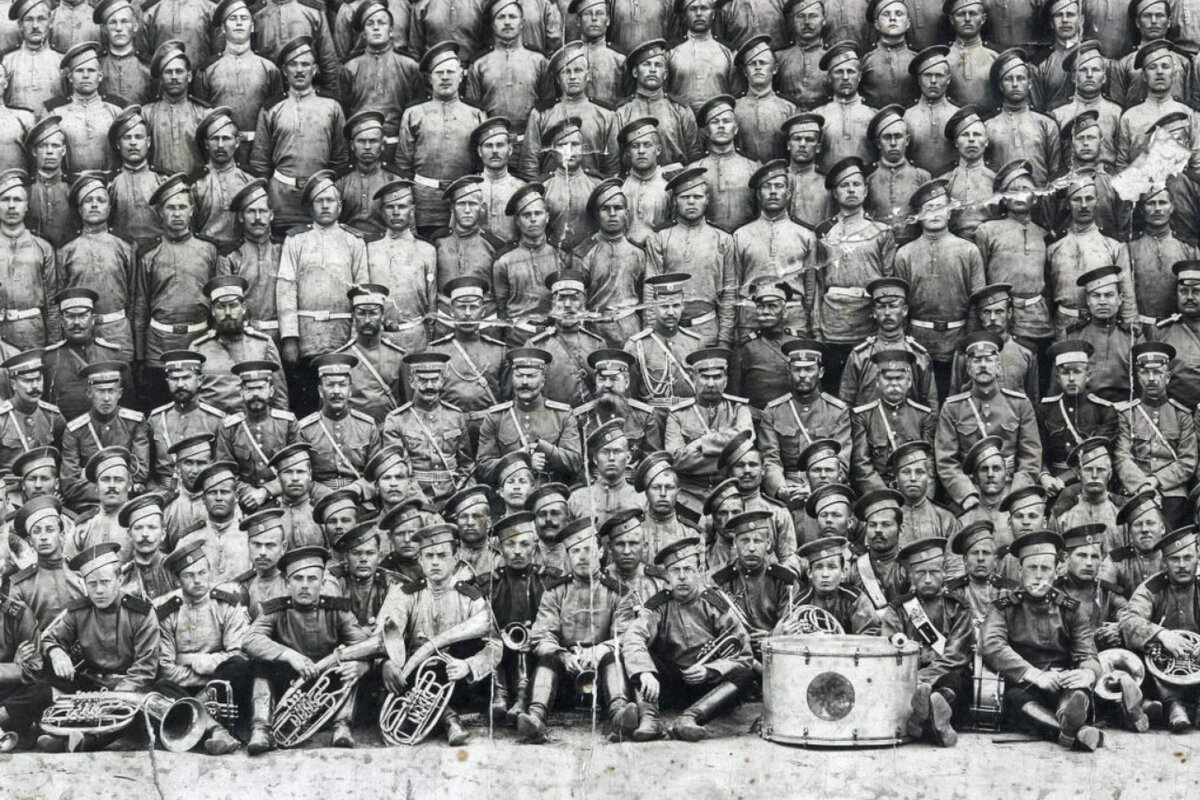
point(966, 418)
point(876, 430)
point(170, 283)
point(61, 364)
point(47, 587)
point(341, 447)
point(86, 435)
point(508, 427)
point(119, 645)
point(1066, 421)
point(218, 385)
point(22, 429)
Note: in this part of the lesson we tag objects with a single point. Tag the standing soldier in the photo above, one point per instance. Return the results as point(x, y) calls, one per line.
point(435, 136)
point(612, 370)
point(519, 274)
point(1110, 375)
point(466, 248)
point(756, 366)
point(34, 75)
point(407, 267)
point(886, 75)
point(927, 117)
point(889, 303)
point(255, 257)
point(108, 476)
point(970, 181)
point(30, 277)
point(279, 25)
point(1088, 70)
point(343, 438)
point(293, 465)
point(457, 21)
point(186, 415)
point(251, 437)
point(679, 138)
point(377, 378)
point(50, 215)
point(173, 118)
point(80, 346)
point(700, 67)
point(731, 203)
point(846, 115)
point(1179, 331)
point(810, 202)
point(646, 183)
point(760, 111)
point(1154, 254)
point(606, 78)
point(609, 492)
point(969, 59)
point(493, 143)
point(27, 422)
point(1018, 366)
point(178, 20)
point(895, 177)
point(568, 379)
point(380, 78)
point(568, 185)
point(298, 133)
point(1162, 67)
point(1072, 414)
point(101, 261)
point(1018, 131)
point(911, 464)
point(367, 174)
point(512, 78)
point(801, 80)
point(879, 428)
point(217, 139)
point(614, 267)
point(135, 182)
point(661, 349)
point(432, 432)
point(122, 69)
point(16, 123)
point(86, 114)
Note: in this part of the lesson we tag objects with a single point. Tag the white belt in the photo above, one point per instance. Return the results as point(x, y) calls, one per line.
point(391, 140)
point(432, 183)
point(265, 324)
point(165, 328)
point(1026, 302)
point(279, 177)
point(938, 326)
point(846, 291)
point(12, 315)
point(247, 136)
point(1149, 321)
point(323, 316)
point(700, 320)
point(433, 475)
point(1068, 312)
point(112, 316)
point(621, 313)
point(408, 326)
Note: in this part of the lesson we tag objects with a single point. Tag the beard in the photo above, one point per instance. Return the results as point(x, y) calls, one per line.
point(228, 327)
point(610, 405)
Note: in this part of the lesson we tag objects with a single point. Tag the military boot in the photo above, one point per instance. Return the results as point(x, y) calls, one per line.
point(689, 726)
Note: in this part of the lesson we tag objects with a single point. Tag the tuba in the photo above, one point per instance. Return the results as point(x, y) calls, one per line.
point(181, 723)
point(813, 619)
point(308, 704)
point(1175, 670)
point(408, 719)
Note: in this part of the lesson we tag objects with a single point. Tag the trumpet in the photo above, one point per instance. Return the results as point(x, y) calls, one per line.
point(727, 645)
point(219, 702)
point(181, 723)
point(585, 679)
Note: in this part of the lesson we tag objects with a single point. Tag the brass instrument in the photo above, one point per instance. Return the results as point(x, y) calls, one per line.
point(219, 702)
point(308, 704)
point(410, 718)
point(585, 679)
point(515, 637)
point(813, 619)
point(181, 723)
point(1113, 661)
point(1175, 670)
point(726, 645)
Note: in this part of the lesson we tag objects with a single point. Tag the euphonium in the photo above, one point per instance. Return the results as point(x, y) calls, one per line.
point(1175, 670)
point(408, 719)
point(308, 704)
point(181, 723)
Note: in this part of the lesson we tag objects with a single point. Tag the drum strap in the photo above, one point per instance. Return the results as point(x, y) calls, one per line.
point(927, 632)
point(870, 582)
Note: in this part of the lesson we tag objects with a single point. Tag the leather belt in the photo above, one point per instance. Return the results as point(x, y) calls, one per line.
point(195, 327)
point(323, 316)
point(847, 291)
point(265, 324)
point(1067, 311)
point(700, 320)
point(279, 177)
point(938, 325)
point(12, 315)
point(1026, 302)
point(432, 183)
point(112, 316)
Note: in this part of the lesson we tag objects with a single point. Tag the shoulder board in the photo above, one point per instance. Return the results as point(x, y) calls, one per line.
point(642, 334)
point(781, 573)
point(468, 590)
point(850, 590)
point(310, 419)
point(57, 345)
point(1014, 393)
point(658, 600)
point(78, 422)
point(245, 576)
point(900, 600)
point(688, 332)
point(393, 346)
point(86, 515)
point(498, 407)
point(956, 583)
point(919, 406)
point(778, 401)
point(156, 411)
point(254, 334)
point(1158, 581)
point(23, 574)
point(135, 603)
point(557, 406)
point(6, 407)
point(485, 578)
point(640, 406)
point(836, 402)
point(233, 419)
point(212, 335)
point(1098, 400)
point(130, 414)
point(1065, 600)
point(211, 409)
point(169, 607)
point(53, 409)
point(611, 584)
point(362, 416)
point(225, 596)
point(354, 231)
point(335, 603)
point(1118, 554)
point(715, 599)
point(402, 408)
point(864, 344)
point(412, 587)
point(863, 408)
point(59, 103)
point(595, 336)
point(724, 574)
point(953, 598)
point(748, 338)
point(1162, 323)
point(1179, 405)
point(1127, 405)
point(276, 604)
point(1108, 585)
point(552, 581)
point(583, 409)
point(955, 398)
point(733, 398)
point(443, 339)
point(691, 401)
point(541, 337)
point(915, 345)
point(1052, 398)
point(80, 604)
point(441, 233)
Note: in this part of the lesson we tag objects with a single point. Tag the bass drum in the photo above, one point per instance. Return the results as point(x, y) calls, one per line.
point(837, 691)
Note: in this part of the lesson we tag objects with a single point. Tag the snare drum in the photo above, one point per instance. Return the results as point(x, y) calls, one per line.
point(837, 690)
point(987, 705)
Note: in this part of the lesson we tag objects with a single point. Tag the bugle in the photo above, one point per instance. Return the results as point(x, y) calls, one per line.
point(727, 645)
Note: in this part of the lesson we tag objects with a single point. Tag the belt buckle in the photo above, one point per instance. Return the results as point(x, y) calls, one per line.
point(180, 328)
point(319, 316)
point(941, 326)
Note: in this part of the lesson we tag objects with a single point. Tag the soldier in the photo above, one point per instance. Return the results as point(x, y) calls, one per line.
point(994, 305)
point(641, 426)
point(1088, 71)
point(1137, 557)
point(1081, 143)
point(655, 478)
point(981, 583)
point(32, 69)
point(108, 475)
point(360, 182)
point(493, 142)
point(337, 512)
point(703, 252)
point(606, 79)
point(877, 571)
point(827, 590)
point(624, 546)
point(185, 416)
point(1110, 341)
point(810, 203)
point(185, 508)
point(530, 422)
point(512, 78)
point(613, 266)
point(146, 574)
point(760, 112)
point(879, 428)
point(399, 524)
point(469, 510)
point(466, 249)
point(730, 204)
point(801, 80)
point(1089, 502)
point(894, 178)
point(171, 278)
point(217, 139)
point(380, 78)
point(343, 438)
point(566, 340)
point(912, 465)
point(227, 551)
point(122, 70)
point(298, 133)
point(720, 507)
point(1073, 414)
point(520, 273)
point(678, 136)
point(927, 118)
point(101, 261)
point(661, 348)
point(1179, 331)
point(460, 22)
point(30, 317)
point(255, 258)
point(1154, 21)
point(1161, 68)
point(49, 213)
point(794, 420)
point(264, 580)
point(969, 59)
point(429, 612)
point(645, 185)
point(105, 424)
point(166, 20)
point(231, 342)
point(23, 695)
point(135, 182)
point(293, 465)
point(431, 431)
point(406, 268)
point(80, 347)
point(775, 245)
point(377, 378)
point(237, 77)
point(574, 632)
point(1155, 446)
point(886, 78)
point(762, 592)
point(389, 473)
point(16, 123)
point(889, 305)
point(609, 490)
point(49, 585)
point(115, 633)
point(279, 26)
point(435, 146)
point(741, 460)
point(846, 115)
point(1153, 256)
point(970, 182)
point(362, 581)
point(174, 117)
point(26, 421)
point(700, 67)
point(472, 375)
point(1045, 653)
point(1018, 131)
point(85, 114)
point(300, 636)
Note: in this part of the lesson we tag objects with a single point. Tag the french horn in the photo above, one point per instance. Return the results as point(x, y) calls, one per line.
point(1175, 670)
point(814, 619)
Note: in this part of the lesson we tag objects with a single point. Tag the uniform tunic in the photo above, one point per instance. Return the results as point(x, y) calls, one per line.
point(225, 547)
point(1022, 133)
point(437, 443)
point(1184, 335)
point(219, 386)
point(1067, 420)
point(341, 447)
point(760, 120)
point(104, 263)
point(731, 202)
point(639, 21)
point(458, 21)
point(186, 21)
point(877, 429)
point(314, 631)
point(257, 589)
point(258, 263)
point(1109, 117)
point(966, 418)
point(677, 129)
point(30, 282)
point(800, 77)
point(408, 267)
point(170, 284)
point(251, 443)
point(243, 82)
point(695, 436)
point(615, 268)
point(150, 579)
point(132, 216)
point(168, 424)
point(844, 133)
point(811, 202)
point(434, 150)
point(508, 427)
point(849, 606)
point(47, 587)
point(376, 381)
point(706, 253)
point(1160, 604)
point(927, 519)
point(212, 192)
point(34, 77)
point(789, 424)
point(1157, 441)
point(781, 248)
point(669, 632)
point(860, 378)
point(969, 81)
point(885, 78)
point(380, 80)
point(601, 156)
point(22, 428)
point(700, 67)
point(888, 188)
point(126, 76)
point(568, 376)
point(316, 266)
point(473, 372)
point(497, 190)
point(50, 215)
point(970, 187)
point(518, 280)
point(760, 369)
point(660, 375)
point(86, 121)
point(608, 80)
point(120, 643)
point(859, 250)
point(1151, 257)
point(423, 612)
point(61, 364)
point(1133, 127)
point(1018, 368)
point(509, 81)
point(277, 22)
point(1014, 252)
point(172, 124)
point(212, 626)
point(14, 124)
point(566, 203)
point(1078, 251)
point(930, 149)
point(950, 616)
point(763, 594)
point(943, 271)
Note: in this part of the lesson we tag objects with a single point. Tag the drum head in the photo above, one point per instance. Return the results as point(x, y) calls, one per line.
point(837, 645)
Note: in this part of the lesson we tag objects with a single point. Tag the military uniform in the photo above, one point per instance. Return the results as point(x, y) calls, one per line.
point(341, 447)
point(316, 266)
point(760, 135)
point(171, 279)
point(966, 418)
point(1109, 117)
point(243, 82)
point(126, 76)
point(47, 588)
point(277, 23)
point(508, 427)
point(31, 281)
point(1067, 421)
point(508, 81)
point(951, 617)
point(14, 124)
point(1014, 252)
point(357, 187)
point(518, 282)
point(789, 424)
point(1158, 604)
point(1155, 441)
point(784, 249)
point(122, 653)
point(860, 377)
point(677, 129)
point(706, 253)
point(434, 149)
point(466, 253)
point(21, 429)
point(695, 434)
point(926, 520)
point(760, 367)
point(859, 251)
point(885, 76)
point(366, 598)
point(876, 429)
point(168, 424)
point(376, 381)
point(383, 80)
point(164, 20)
point(86, 124)
point(567, 375)
point(942, 274)
point(970, 65)
point(458, 21)
point(24, 698)
point(473, 372)
point(212, 190)
point(1024, 134)
point(106, 264)
point(1078, 251)
point(700, 67)
point(215, 625)
point(731, 202)
point(648, 202)
point(1018, 368)
point(1128, 567)
point(133, 217)
point(50, 216)
point(437, 444)
point(763, 595)
point(1184, 335)
point(35, 77)
point(811, 202)
point(642, 429)
point(172, 124)
point(800, 76)
point(1151, 257)
point(96, 526)
point(148, 580)
point(218, 385)
point(184, 514)
point(257, 589)
point(615, 268)
point(661, 377)
point(888, 188)
point(86, 435)
point(930, 149)
point(225, 546)
point(849, 607)
point(497, 190)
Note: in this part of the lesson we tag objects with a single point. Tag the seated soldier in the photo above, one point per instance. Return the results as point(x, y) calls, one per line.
point(401, 524)
point(514, 480)
point(469, 510)
point(434, 620)
point(981, 583)
point(1137, 557)
point(362, 581)
point(573, 635)
point(548, 504)
point(667, 650)
point(335, 513)
point(607, 448)
point(1161, 608)
point(107, 640)
point(723, 503)
point(200, 634)
point(989, 481)
point(941, 624)
point(514, 589)
point(877, 570)
point(267, 541)
point(146, 574)
point(22, 695)
point(741, 459)
point(825, 561)
point(1040, 642)
point(624, 544)
point(1089, 501)
point(301, 636)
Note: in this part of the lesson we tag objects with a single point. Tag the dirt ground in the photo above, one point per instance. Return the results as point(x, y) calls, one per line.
point(578, 763)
